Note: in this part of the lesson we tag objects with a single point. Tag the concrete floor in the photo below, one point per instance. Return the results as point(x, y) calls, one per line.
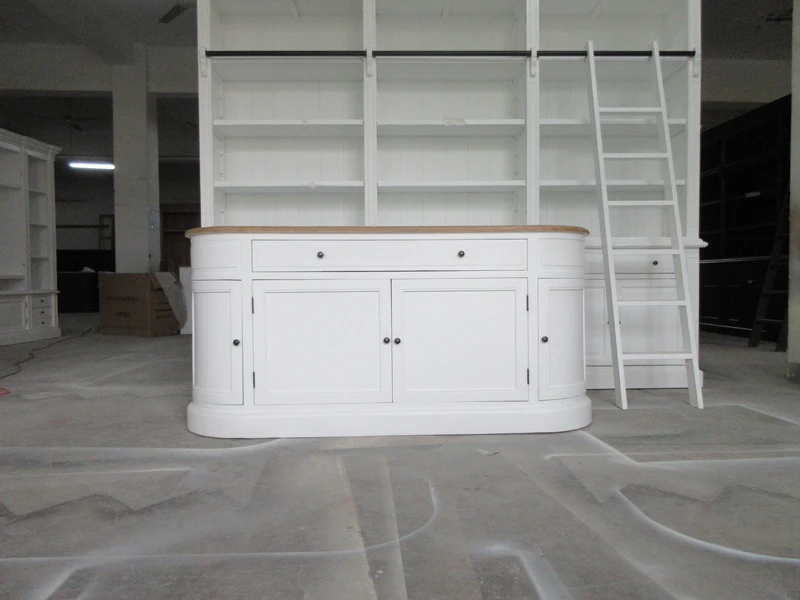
point(104, 494)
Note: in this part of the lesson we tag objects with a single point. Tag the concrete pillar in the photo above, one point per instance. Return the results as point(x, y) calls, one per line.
point(794, 251)
point(136, 193)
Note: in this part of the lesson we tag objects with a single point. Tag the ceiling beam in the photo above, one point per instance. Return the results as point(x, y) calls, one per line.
point(82, 23)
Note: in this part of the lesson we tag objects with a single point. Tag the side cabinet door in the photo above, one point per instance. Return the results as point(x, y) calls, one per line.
point(322, 342)
point(562, 372)
point(216, 329)
point(13, 313)
point(460, 340)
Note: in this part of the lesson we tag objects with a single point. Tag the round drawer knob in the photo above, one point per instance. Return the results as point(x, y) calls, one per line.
point(396, 340)
point(320, 254)
point(655, 263)
point(461, 254)
point(386, 340)
point(236, 342)
point(545, 339)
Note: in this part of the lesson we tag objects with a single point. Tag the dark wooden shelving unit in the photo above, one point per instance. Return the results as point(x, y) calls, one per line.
point(744, 176)
point(176, 219)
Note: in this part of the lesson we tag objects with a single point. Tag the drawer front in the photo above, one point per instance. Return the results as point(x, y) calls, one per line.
point(41, 301)
point(216, 259)
point(42, 314)
point(389, 255)
point(561, 258)
point(647, 264)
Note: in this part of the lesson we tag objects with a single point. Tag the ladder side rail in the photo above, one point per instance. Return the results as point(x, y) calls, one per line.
point(620, 388)
point(681, 271)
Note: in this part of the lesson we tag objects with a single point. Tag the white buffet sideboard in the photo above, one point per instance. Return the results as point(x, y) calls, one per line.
point(355, 331)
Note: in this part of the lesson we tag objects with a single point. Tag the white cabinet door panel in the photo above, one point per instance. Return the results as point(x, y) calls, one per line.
point(460, 340)
point(562, 372)
point(13, 312)
point(322, 341)
point(217, 326)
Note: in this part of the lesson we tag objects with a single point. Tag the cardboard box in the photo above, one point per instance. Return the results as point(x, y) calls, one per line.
point(135, 304)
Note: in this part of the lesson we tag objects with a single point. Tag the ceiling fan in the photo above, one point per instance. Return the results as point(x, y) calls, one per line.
point(74, 123)
point(180, 7)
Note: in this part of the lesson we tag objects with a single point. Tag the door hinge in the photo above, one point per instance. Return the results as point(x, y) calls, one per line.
point(253, 305)
point(529, 376)
point(254, 379)
point(528, 303)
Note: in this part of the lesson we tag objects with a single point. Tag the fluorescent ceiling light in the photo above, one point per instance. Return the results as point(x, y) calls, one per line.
point(97, 166)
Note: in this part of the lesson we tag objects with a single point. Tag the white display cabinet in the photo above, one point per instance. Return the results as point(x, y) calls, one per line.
point(451, 25)
point(448, 113)
point(28, 302)
point(283, 25)
point(451, 147)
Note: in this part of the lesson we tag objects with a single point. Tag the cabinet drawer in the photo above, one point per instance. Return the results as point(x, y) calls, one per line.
point(657, 263)
point(389, 255)
point(562, 258)
point(41, 301)
point(43, 314)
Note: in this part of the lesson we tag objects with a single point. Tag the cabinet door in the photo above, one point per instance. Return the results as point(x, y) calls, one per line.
point(562, 371)
point(216, 329)
point(322, 341)
point(460, 340)
point(13, 313)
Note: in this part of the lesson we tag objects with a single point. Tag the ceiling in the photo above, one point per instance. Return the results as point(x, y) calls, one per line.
point(109, 28)
point(732, 28)
point(741, 29)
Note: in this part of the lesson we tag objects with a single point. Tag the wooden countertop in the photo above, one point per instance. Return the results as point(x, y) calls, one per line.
point(463, 229)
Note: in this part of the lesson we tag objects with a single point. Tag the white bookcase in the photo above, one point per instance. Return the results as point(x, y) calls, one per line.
point(447, 112)
point(28, 306)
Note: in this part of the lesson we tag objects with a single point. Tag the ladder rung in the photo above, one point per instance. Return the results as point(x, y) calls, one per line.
point(657, 356)
point(651, 302)
point(636, 156)
point(631, 110)
point(634, 203)
point(646, 251)
point(769, 321)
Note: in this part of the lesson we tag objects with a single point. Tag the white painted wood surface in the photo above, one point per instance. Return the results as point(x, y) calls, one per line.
point(28, 297)
point(351, 141)
point(460, 340)
point(398, 344)
point(217, 323)
point(319, 342)
point(562, 366)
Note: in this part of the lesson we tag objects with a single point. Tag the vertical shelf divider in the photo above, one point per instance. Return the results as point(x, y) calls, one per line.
point(370, 115)
point(532, 74)
point(207, 94)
